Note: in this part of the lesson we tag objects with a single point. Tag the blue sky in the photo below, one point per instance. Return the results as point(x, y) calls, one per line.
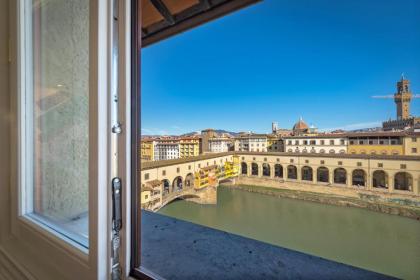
point(279, 60)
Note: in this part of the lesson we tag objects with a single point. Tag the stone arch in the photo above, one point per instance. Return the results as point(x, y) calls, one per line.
point(307, 173)
point(266, 170)
point(278, 170)
point(342, 151)
point(403, 181)
point(323, 174)
point(244, 168)
point(254, 169)
point(189, 180)
point(304, 151)
point(340, 176)
point(380, 179)
point(322, 151)
point(332, 151)
point(166, 186)
point(292, 172)
point(358, 178)
point(177, 184)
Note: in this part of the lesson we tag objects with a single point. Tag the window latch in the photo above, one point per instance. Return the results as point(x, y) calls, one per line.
point(116, 204)
point(116, 226)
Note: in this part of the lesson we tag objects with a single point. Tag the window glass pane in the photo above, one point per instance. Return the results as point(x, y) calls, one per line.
point(57, 115)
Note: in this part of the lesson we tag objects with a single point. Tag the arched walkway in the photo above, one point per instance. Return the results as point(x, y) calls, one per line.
point(359, 178)
point(266, 170)
point(177, 184)
point(340, 176)
point(166, 184)
point(307, 174)
point(254, 169)
point(380, 179)
point(403, 181)
point(189, 180)
point(244, 168)
point(322, 174)
point(292, 172)
point(278, 171)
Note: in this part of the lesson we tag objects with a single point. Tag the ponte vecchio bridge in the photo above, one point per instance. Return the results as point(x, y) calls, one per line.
point(198, 177)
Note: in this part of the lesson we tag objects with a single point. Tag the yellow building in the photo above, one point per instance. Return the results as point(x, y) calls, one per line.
point(189, 147)
point(412, 144)
point(147, 150)
point(376, 143)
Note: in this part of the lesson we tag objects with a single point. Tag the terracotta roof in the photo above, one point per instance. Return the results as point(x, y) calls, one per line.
point(300, 125)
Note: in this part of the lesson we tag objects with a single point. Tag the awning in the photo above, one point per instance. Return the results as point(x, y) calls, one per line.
point(164, 18)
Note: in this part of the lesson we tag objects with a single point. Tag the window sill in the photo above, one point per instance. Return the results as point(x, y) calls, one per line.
point(176, 249)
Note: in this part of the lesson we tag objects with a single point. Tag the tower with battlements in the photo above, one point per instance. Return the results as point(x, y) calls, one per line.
point(402, 99)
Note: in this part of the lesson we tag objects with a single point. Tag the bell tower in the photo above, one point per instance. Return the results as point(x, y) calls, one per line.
point(402, 99)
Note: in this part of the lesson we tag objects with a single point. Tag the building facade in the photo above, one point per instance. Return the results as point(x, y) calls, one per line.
point(319, 144)
point(380, 143)
point(189, 147)
point(251, 143)
point(166, 149)
point(274, 143)
point(147, 149)
point(220, 144)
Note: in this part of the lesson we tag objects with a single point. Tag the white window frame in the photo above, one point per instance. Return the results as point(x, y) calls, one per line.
point(33, 250)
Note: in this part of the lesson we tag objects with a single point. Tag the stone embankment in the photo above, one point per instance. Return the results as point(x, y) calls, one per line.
point(395, 204)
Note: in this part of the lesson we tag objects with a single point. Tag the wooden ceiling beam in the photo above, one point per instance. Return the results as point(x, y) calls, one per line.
point(164, 11)
point(205, 4)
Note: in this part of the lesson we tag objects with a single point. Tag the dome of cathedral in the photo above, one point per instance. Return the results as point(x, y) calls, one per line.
point(300, 125)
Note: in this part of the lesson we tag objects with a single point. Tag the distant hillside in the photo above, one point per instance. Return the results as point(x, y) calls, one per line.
point(218, 131)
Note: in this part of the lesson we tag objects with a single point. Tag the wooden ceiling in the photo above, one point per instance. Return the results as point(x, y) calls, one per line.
point(164, 18)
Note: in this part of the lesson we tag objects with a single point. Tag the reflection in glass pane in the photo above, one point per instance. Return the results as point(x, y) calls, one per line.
point(60, 57)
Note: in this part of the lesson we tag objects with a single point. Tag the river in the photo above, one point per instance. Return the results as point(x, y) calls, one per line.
point(375, 241)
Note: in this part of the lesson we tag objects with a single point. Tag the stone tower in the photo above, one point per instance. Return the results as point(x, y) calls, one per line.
point(402, 99)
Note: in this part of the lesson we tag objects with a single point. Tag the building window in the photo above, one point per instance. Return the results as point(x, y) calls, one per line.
point(340, 163)
point(342, 142)
point(380, 164)
point(306, 161)
point(177, 170)
point(322, 162)
point(359, 164)
point(243, 158)
point(414, 139)
point(322, 142)
point(403, 166)
point(278, 160)
point(265, 159)
point(291, 160)
point(351, 142)
point(163, 172)
point(305, 142)
point(290, 142)
point(332, 142)
point(360, 142)
point(370, 142)
point(199, 165)
point(253, 158)
point(381, 142)
point(414, 150)
point(146, 176)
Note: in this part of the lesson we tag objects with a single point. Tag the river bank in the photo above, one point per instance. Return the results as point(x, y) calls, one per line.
point(404, 206)
point(368, 239)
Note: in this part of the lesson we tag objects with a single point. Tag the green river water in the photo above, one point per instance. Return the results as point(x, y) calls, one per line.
point(379, 242)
